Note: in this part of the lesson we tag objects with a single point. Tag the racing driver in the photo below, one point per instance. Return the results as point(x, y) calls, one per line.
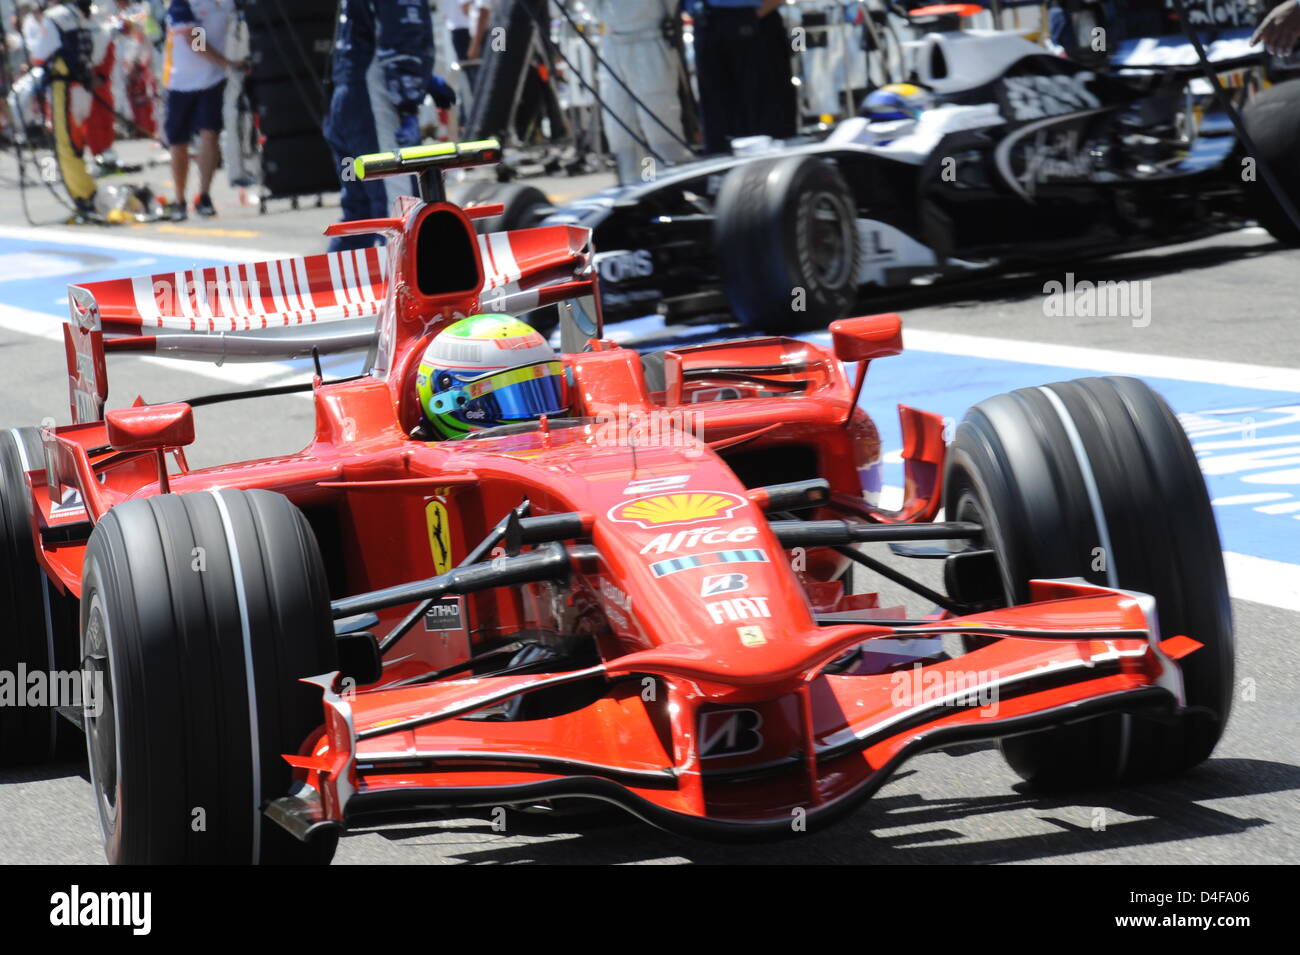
point(484, 371)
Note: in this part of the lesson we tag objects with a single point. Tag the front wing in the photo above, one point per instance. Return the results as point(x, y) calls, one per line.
point(705, 748)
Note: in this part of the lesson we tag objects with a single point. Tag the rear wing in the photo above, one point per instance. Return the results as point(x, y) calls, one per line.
point(264, 311)
point(1228, 50)
point(322, 304)
point(434, 269)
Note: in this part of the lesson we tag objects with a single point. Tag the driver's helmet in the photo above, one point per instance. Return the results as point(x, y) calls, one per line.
point(897, 101)
point(488, 370)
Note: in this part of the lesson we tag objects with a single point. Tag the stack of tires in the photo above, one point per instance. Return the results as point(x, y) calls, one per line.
point(289, 60)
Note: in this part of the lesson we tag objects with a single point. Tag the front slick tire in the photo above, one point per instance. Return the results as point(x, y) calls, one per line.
point(203, 611)
point(1025, 466)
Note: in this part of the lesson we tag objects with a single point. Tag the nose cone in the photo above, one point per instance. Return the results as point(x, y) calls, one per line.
point(701, 566)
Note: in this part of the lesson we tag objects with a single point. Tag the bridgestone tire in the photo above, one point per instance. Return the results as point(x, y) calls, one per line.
point(30, 608)
point(525, 205)
point(205, 610)
point(1273, 121)
point(787, 241)
point(1020, 465)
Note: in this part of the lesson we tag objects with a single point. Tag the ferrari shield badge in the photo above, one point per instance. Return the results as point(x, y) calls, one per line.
point(435, 515)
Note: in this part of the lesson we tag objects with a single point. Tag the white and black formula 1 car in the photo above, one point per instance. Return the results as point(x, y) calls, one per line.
point(1022, 159)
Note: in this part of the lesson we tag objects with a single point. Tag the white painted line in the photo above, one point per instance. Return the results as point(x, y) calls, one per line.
point(1263, 581)
point(1248, 498)
point(119, 239)
point(43, 325)
point(1205, 370)
point(27, 322)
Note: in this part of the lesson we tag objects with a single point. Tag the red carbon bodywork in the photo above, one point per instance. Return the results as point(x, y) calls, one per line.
point(717, 716)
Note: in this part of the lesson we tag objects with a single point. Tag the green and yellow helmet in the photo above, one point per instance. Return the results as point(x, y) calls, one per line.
point(488, 370)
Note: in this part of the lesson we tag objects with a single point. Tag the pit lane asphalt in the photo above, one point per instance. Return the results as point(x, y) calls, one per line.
point(1228, 298)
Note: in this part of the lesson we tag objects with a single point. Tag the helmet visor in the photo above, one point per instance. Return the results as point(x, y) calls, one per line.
point(515, 394)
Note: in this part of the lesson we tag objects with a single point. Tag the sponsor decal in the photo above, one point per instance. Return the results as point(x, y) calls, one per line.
point(739, 608)
point(685, 507)
point(615, 267)
point(446, 613)
point(663, 568)
point(615, 595)
point(1037, 154)
point(658, 428)
point(730, 733)
point(1036, 97)
point(68, 506)
point(439, 523)
point(654, 485)
point(519, 342)
point(715, 584)
point(1221, 13)
point(671, 543)
point(751, 636)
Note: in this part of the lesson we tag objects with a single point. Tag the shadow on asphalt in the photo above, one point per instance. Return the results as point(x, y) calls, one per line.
point(1167, 812)
point(1015, 285)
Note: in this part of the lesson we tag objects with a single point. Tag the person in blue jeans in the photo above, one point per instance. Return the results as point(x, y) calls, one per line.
point(382, 65)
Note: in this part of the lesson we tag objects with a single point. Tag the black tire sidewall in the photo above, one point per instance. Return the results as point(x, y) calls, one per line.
point(762, 235)
point(186, 731)
point(1013, 454)
point(521, 203)
point(28, 734)
point(1272, 120)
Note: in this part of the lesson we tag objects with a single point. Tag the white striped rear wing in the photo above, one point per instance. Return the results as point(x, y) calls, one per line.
point(328, 287)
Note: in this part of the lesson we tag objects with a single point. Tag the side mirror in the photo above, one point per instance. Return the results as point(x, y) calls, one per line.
point(862, 339)
point(152, 428)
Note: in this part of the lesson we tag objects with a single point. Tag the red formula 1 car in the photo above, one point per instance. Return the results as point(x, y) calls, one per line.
point(644, 602)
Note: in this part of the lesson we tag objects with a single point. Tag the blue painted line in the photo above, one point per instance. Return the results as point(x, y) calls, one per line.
point(1267, 460)
point(35, 275)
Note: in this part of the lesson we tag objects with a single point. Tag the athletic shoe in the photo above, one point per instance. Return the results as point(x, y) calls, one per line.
point(203, 205)
point(176, 212)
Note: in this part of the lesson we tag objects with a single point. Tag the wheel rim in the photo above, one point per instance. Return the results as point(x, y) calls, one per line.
point(830, 239)
point(103, 746)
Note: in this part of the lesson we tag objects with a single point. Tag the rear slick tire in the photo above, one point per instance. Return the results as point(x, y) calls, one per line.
point(32, 610)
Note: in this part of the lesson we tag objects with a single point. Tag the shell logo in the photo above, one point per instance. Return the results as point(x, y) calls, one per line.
point(683, 507)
